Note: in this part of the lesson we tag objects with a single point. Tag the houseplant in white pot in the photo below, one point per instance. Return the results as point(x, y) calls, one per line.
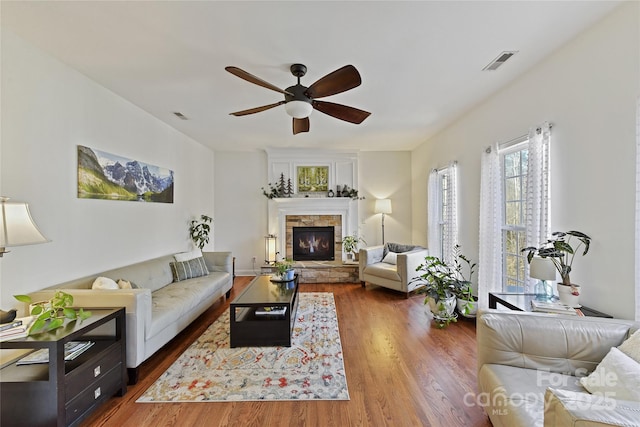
point(560, 251)
point(350, 246)
point(439, 281)
point(466, 302)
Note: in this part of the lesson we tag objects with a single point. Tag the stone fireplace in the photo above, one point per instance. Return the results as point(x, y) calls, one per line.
point(286, 213)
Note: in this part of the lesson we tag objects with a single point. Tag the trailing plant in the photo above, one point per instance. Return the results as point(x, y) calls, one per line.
point(199, 230)
point(559, 250)
point(50, 315)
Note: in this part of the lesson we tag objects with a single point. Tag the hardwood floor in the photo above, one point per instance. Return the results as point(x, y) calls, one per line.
point(401, 370)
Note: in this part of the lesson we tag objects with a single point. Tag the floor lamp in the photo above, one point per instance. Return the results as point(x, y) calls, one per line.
point(383, 206)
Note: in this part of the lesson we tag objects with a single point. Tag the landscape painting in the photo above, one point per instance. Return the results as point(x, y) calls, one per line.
point(108, 176)
point(313, 179)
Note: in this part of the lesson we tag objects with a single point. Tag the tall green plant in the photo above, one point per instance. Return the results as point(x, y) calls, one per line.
point(559, 250)
point(199, 230)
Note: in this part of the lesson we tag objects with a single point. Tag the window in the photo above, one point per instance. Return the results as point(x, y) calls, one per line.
point(514, 165)
point(443, 227)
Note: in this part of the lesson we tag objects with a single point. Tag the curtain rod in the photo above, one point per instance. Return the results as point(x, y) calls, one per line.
point(454, 163)
point(517, 140)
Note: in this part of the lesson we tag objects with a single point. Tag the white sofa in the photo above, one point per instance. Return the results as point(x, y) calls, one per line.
point(158, 308)
point(529, 366)
point(398, 272)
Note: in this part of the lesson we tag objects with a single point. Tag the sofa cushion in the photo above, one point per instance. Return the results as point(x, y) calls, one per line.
point(179, 298)
point(631, 346)
point(186, 256)
point(617, 375)
point(517, 394)
point(104, 283)
point(183, 270)
point(397, 248)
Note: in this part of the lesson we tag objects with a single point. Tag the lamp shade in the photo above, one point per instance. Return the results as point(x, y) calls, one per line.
point(17, 227)
point(383, 206)
point(542, 269)
point(298, 109)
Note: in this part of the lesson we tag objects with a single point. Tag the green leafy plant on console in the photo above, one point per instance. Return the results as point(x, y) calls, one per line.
point(50, 315)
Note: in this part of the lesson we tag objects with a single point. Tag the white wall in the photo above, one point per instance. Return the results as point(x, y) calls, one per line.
point(588, 90)
point(47, 110)
point(241, 209)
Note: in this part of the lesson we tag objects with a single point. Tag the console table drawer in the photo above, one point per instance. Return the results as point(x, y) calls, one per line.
point(81, 377)
point(96, 392)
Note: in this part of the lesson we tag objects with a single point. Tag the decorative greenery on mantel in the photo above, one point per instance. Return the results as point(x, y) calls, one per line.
point(284, 189)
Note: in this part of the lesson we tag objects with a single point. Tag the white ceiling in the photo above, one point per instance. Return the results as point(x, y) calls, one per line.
point(421, 62)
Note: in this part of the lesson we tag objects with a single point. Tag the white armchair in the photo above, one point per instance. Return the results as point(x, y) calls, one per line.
point(391, 266)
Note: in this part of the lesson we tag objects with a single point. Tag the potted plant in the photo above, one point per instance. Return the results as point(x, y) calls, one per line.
point(466, 302)
point(350, 246)
point(199, 230)
point(284, 269)
point(560, 251)
point(439, 281)
point(50, 314)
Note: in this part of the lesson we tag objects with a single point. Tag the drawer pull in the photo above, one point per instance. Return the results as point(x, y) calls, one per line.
point(96, 371)
point(96, 393)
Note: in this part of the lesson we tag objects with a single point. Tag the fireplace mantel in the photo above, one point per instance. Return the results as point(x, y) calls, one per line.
point(280, 208)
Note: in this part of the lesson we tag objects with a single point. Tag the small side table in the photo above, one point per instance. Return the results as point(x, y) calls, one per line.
point(522, 302)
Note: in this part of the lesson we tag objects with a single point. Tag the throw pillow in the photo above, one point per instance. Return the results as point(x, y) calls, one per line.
point(126, 284)
point(631, 347)
point(104, 283)
point(186, 256)
point(391, 258)
point(183, 270)
point(397, 248)
point(617, 376)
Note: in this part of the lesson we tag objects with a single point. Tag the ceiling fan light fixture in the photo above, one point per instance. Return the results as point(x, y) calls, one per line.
point(298, 109)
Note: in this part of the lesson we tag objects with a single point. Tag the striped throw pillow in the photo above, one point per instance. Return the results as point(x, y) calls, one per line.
point(183, 270)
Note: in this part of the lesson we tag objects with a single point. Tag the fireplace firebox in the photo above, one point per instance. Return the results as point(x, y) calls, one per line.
point(313, 243)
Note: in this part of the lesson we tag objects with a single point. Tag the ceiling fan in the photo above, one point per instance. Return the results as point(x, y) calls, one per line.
point(300, 101)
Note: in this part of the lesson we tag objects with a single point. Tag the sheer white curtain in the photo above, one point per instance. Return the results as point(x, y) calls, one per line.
point(490, 253)
point(537, 190)
point(433, 233)
point(450, 213)
point(638, 210)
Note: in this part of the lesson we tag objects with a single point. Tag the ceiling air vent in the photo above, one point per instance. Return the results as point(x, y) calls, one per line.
point(501, 59)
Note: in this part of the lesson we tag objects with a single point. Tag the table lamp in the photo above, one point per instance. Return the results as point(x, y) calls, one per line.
point(16, 226)
point(542, 269)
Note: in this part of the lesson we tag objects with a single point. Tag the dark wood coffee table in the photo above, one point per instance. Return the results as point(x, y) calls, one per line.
point(522, 302)
point(255, 318)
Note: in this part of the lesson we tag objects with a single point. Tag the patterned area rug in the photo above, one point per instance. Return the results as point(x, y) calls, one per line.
point(311, 369)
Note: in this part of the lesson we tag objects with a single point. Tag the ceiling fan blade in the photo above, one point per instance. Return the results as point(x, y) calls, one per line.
point(342, 112)
point(300, 125)
point(256, 110)
point(255, 80)
point(340, 80)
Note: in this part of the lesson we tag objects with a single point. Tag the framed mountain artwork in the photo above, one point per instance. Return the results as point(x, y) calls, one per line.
point(108, 176)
